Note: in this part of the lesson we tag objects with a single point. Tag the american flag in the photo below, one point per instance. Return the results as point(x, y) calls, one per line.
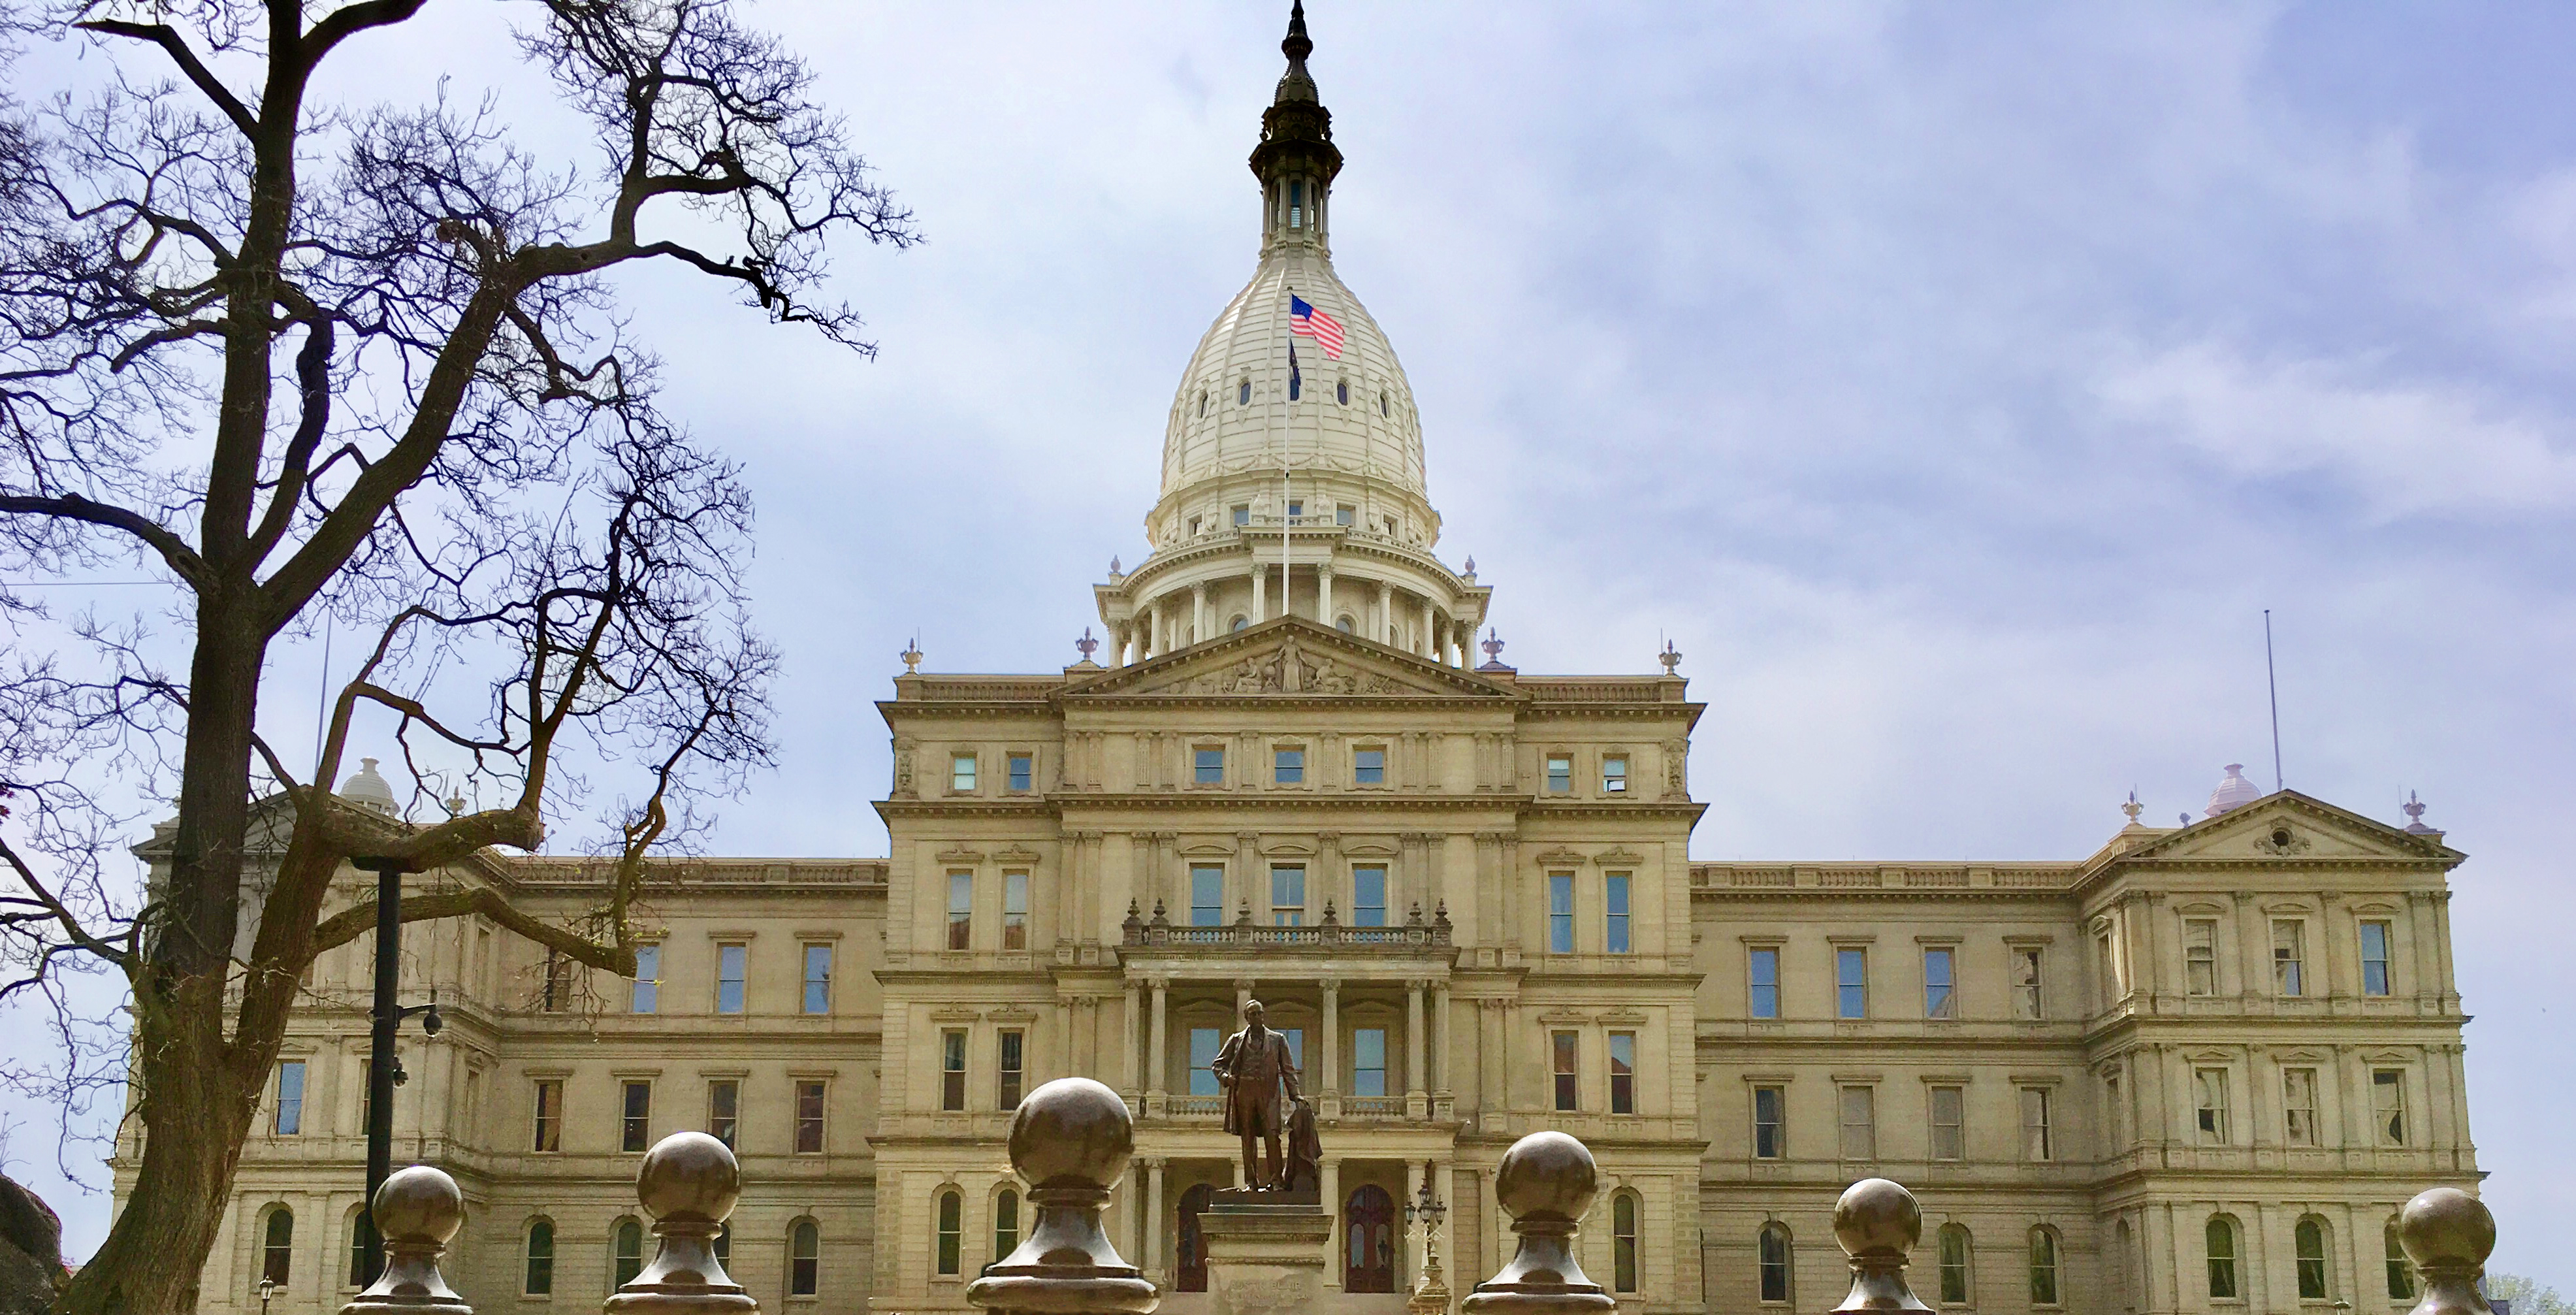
point(1323, 328)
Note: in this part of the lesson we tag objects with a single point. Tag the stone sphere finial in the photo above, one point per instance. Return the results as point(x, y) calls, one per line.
point(1070, 1142)
point(1878, 1222)
point(1546, 1183)
point(2448, 1234)
point(416, 1211)
point(688, 1182)
point(1072, 1132)
point(1547, 1175)
point(689, 1175)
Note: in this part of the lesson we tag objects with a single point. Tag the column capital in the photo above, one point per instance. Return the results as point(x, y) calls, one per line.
point(1160, 983)
point(1331, 985)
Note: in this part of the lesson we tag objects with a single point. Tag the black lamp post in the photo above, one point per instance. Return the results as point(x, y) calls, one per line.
point(384, 1069)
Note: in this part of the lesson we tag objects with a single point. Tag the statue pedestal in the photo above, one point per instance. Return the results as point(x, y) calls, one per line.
point(1265, 1259)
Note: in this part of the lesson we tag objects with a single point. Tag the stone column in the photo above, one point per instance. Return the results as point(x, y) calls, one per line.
point(1385, 612)
point(1415, 1099)
point(1149, 1248)
point(1199, 629)
point(1260, 588)
point(1128, 1058)
point(1430, 645)
point(1242, 997)
point(1154, 629)
point(1331, 1041)
point(1441, 1085)
point(1155, 1068)
point(1328, 1184)
point(1324, 596)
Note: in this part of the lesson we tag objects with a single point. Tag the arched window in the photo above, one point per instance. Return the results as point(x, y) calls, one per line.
point(1342, 392)
point(1296, 382)
point(804, 1259)
point(1346, 625)
point(1238, 623)
point(1368, 1220)
point(1243, 392)
point(625, 1252)
point(2401, 1275)
point(1382, 407)
point(1202, 402)
point(1953, 1246)
point(1623, 1242)
point(1772, 1257)
point(277, 1252)
point(1006, 1224)
point(952, 1230)
point(2043, 1266)
point(362, 1231)
point(2309, 1239)
point(540, 1268)
point(2221, 1236)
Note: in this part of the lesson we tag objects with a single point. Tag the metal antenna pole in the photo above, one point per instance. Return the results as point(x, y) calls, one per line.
point(2272, 680)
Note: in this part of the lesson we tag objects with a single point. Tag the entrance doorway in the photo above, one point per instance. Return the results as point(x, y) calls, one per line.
point(1368, 1220)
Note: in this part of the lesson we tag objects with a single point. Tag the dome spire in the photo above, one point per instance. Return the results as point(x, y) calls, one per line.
point(1296, 160)
point(1297, 84)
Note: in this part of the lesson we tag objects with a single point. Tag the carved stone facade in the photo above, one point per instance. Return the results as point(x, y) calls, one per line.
point(2202, 1066)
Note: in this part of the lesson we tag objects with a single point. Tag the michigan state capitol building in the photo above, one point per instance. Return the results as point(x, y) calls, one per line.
point(2198, 1069)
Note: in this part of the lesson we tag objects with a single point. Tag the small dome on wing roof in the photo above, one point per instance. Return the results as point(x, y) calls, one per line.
point(2234, 792)
point(368, 790)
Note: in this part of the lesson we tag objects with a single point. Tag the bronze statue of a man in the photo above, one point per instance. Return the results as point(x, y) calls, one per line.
point(1252, 1067)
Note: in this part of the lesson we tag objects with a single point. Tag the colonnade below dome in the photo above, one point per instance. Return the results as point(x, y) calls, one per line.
point(1366, 584)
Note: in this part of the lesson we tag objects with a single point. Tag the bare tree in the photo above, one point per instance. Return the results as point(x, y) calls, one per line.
point(303, 359)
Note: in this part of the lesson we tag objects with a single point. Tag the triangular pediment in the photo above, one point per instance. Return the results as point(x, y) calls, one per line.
point(2287, 825)
point(1290, 657)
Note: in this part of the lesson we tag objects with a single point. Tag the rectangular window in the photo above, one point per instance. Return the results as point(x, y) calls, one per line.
point(290, 1099)
point(1006, 1092)
point(1939, 1000)
point(2289, 958)
point(818, 978)
point(1614, 773)
point(1296, 506)
point(1368, 897)
point(952, 1069)
point(961, 773)
point(2388, 1105)
point(732, 967)
point(1614, 913)
point(1561, 1049)
point(645, 996)
point(2106, 960)
point(2374, 958)
point(1770, 1130)
point(1296, 1038)
point(1204, 1043)
point(809, 1116)
point(1344, 514)
point(2025, 982)
point(1208, 766)
point(2299, 1105)
point(1851, 983)
point(550, 1115)
point(1023, 771)
point(2036, 1140)
point(555, 995)
point(1287, 897)
point(1560, 774)
point(2200, 956)
point(1623, 1072)
point(1015, 910)
point(724, 1110)
point(2211, 1084)
point(635, 1129)
point(1242, 515)
point(1207, 896)
point(1859, 1123)
point(1560, 913)
point(1368, 1061)
point(1368, 766)
point(1764, 962)
point(1288, 766)
point(1949, 1123)
point(961, 910)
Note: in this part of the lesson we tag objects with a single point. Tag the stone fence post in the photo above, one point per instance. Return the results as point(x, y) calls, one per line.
point(1546, 1182)
point(1878, 1222)
point(689, 1183)
point(417, 1210)
point(2448, 1234)
point(1070, 1142)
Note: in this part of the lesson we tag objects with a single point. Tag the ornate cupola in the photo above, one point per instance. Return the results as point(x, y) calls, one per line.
point(1296, 160)
point(1292, 456)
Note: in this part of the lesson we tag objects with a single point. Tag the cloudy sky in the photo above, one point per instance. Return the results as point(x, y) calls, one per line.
point(1954, 385)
